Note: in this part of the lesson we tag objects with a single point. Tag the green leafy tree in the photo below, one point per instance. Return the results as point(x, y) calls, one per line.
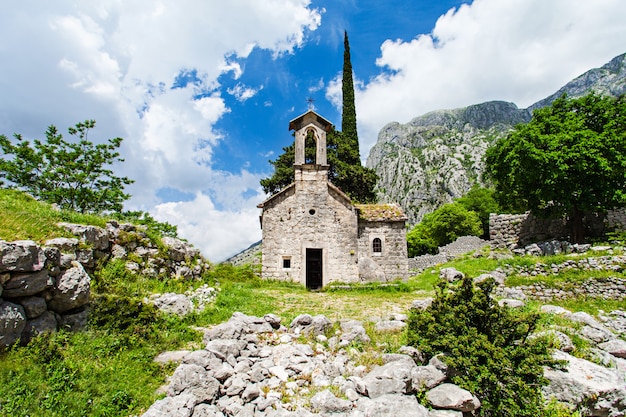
point(419, 242)
point(487, 346)
point(568, 160)
point(441, 227)
point(346, 171)
point(283, 171)
point(482, 201)
point(73, 175)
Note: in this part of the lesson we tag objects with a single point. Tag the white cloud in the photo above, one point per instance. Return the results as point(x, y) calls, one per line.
point(317, 87)
point(243, 93)
point(117, 61)
point(511, 50)
point(221, 233)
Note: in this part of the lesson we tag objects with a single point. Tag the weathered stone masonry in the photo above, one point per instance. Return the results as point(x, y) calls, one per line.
point(314, 235)
point(517, 230)
point(44, 288)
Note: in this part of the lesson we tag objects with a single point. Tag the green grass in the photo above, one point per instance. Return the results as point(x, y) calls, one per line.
point(108, 369)
point(564, 280)
point(24, 218)
point(98, 372)
point(591, 305)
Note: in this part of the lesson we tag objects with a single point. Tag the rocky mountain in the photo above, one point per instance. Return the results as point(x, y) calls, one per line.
point(438, 156)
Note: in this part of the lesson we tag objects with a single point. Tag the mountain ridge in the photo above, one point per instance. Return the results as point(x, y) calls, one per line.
point(437, 157)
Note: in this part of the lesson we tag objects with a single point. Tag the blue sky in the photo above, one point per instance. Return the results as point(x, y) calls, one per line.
point(202, 91)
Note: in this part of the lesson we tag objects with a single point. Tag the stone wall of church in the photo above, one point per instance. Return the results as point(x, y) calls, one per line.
point(312, 217)
point(391, 263)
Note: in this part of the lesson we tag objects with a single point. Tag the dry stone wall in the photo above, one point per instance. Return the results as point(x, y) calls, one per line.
point(44, 288)
point(510, 231)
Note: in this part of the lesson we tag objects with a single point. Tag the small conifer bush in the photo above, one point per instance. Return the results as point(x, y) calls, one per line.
point(487, 347)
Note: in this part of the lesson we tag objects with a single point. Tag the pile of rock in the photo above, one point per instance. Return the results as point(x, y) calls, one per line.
point(460, 246)
point(47, 287)
point(598, 384)
point(170, 258)
point(614, 263)
point(607, 288)
point(257, 367)
point(254, 366)
point(554, 247)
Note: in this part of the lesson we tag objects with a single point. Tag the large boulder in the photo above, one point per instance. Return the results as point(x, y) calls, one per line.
point(452, 397)
point(72, 289)
point(46, 323)
point(195, 380)
point(326, 402)
point(224, 348)
point(27, 284)
point(616, 347)
point(391, 405)
point(392, 378)
point(64, 244)
point(426, 377)
point(241, 324)
point(353, 331)
point(74, 321)
point(173, 303)
point(307, 324)
point(600, 389)
point(34, 306)
point(12, 323)
point(451, 274)
point(179, 250)
point(370, 271)
point(21, 256)
point(390, 326)
point(96, 237)
point(178, 406)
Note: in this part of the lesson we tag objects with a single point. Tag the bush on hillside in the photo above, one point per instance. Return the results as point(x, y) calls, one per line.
point(482, 201)
point(487, 346)
point(441, 227)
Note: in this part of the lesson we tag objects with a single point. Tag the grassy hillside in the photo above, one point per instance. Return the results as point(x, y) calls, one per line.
point(108, 369)
point(23, 217)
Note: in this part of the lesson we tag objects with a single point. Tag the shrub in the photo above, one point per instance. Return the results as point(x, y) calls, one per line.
point(486, 345)
point(441, 227)
point(418, 243)
point(482, 201)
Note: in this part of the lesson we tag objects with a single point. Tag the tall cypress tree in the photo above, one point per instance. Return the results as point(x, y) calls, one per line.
point(348, 148)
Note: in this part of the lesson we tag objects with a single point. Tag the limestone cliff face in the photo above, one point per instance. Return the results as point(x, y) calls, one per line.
point(437, 157)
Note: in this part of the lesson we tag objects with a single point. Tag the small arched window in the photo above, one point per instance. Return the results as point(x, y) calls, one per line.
point(377, 245)
point(310, 147)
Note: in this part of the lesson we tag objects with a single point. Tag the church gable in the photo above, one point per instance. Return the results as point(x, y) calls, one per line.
point(313, 234)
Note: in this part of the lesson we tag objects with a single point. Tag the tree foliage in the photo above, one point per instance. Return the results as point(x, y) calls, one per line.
point(487, 347)
point(441, 227)
point(482, 201)
point(283, 171)
point(568, 160)
point(348, 148)
point(73, 175)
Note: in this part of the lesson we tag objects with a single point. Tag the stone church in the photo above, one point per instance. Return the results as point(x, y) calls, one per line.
point(314, 235)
